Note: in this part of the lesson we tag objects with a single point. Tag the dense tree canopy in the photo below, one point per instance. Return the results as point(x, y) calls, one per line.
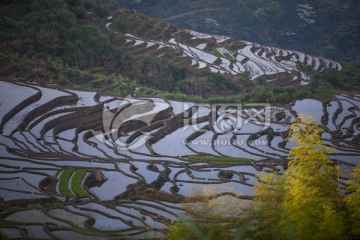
point(353, 202)
point(312, 201)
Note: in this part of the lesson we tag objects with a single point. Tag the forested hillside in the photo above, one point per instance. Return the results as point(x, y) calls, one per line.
point(71, 44)
point(328, 28)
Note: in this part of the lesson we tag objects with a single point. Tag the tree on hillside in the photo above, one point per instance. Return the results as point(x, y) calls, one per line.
point(352, 201)
point(312, 201)
point(303, 203)
point(266, 210)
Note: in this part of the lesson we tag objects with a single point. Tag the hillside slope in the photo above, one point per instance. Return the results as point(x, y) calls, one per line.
point(102, 47)
point(220, 54)
point(327, 28)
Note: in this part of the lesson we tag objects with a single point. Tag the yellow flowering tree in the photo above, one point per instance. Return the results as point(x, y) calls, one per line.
point(302, 203)
point(352, 201)
point(312, 201)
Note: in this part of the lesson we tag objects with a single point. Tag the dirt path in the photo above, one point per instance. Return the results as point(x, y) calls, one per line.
point(195, 11)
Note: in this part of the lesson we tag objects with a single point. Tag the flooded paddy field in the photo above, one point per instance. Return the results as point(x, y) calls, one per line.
point(83, 165)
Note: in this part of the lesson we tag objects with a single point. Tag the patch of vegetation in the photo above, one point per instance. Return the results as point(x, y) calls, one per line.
point(64, 42)
point(49, 205)
point(219, 54)
point(219, 159)
point(76, 183)
point(216, 52)
point(64, 183)
point(347, 79)
point(228, 56)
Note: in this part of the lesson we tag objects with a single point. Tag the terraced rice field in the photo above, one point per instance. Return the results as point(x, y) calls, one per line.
point(220, 54)
point(70, 183)
point(82, 164)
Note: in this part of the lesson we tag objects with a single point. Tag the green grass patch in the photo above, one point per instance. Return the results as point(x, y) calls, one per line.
point(63, 185)
point(219, 54)
point(219, 159)
point(76, 183)
point(228, 56)
point(216, 52)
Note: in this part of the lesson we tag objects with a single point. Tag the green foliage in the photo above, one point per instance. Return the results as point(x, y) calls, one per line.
point(216, 52)
point(352, 201)
point(304, 202)
point(72, 43)
point(208, 84)
point(346, 34)
point(347, 79)
point(64, 181)
point(86, 47)
point(178, 73)
point(76, 183)
point(264, 92)
point(155, 74)
point(228, 56)
point(267, 209)
point(312, 201)
point(67, 31)
point(177, 96)
point(191, 231)
point(209, 217)
point(219, 159)
point(124, 27)
point(63, 78)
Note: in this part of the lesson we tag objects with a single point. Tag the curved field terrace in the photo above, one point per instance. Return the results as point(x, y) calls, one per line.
point(219, 54)
point(80, 165)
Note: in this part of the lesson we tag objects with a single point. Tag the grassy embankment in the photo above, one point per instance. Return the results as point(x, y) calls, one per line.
point(229, 160)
